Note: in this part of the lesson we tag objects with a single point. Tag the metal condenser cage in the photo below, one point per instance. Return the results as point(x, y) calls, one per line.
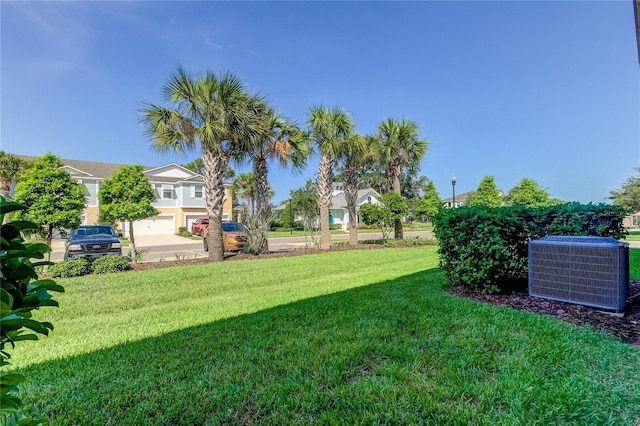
point(592, 271)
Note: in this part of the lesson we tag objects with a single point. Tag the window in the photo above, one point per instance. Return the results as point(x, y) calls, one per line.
point(167, 192)
point(636, 220)
point(198, 191)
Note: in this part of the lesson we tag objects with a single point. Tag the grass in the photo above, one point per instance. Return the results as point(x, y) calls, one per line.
point(633, 236)
point(634, 264)
point(358, 337)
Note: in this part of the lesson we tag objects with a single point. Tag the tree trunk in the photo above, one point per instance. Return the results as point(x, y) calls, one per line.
point(396, 170)
point(260, 172)
point(133, 243)
point(324, 199)
point(350, 178)
point(49, 238)
point(214, 168)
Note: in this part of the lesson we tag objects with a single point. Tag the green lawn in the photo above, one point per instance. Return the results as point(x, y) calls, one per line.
point(633, 236)
point(634, 264)
point(357, 337)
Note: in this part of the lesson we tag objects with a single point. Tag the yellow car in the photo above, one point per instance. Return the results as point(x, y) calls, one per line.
point(234, 238)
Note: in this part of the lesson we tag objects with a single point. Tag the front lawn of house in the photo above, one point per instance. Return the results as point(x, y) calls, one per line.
point(355, 337)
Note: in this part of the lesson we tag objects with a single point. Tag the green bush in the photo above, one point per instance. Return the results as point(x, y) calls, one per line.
point(411, 241)
point(20, 293)
point(487, 248)
point(111, 263)
point(70, 268)
point(277, 223)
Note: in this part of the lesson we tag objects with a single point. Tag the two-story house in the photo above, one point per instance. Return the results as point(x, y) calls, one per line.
point(180, 195)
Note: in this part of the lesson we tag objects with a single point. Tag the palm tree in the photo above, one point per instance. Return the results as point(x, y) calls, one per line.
point(10, 168)
point(284, 143)
point(244, 186)
point(213, 113)
point(328, 129)
point(353, 157)
point(400, 146)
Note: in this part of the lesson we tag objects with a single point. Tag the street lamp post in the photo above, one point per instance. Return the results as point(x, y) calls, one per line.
point(453, 185)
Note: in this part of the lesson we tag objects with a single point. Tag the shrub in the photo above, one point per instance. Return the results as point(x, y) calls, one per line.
point(183, 231)
point(21, 292)
point(70, 268)
point(105, 264)
point(409, 242)
point(277, 223)
point(487, 248)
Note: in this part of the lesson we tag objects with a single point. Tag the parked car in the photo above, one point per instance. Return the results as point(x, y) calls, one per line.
point(234, 238)
point(92, 241)
point(199, 227)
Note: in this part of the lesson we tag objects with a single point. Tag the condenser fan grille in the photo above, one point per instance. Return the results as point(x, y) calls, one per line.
point(591, 271)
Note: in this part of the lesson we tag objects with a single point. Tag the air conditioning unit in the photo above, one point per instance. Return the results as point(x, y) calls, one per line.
point(592, 271)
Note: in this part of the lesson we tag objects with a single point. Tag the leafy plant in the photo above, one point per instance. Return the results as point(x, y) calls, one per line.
point(486, 195)
point(138, 254)
point(21, 292)
point(487, 248)
point(628, 195)
point(71, 268)
point(430, 203)
point(183, 231)
point(127, 196)
point(305, 204)
point(391, 208)
point(105, 264)
point(53, 199)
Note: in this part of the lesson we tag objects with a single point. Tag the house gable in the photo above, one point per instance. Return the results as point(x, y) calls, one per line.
point(171, 171)
point(76, 173)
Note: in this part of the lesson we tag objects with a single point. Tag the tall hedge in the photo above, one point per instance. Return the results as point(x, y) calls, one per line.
point(487, 248)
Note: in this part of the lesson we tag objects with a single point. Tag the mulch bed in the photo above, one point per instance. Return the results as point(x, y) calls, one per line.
point(626, 328)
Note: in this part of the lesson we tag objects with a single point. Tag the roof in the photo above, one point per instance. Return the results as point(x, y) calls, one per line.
point(100, 171)
point(459, 197)
point(463, 197)
point(339, 201)
point(92, 168)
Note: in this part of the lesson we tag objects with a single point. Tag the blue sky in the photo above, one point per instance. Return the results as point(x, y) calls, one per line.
point(545, 90)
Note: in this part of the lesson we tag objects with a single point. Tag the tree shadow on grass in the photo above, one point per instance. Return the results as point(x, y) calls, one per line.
point(401, 351)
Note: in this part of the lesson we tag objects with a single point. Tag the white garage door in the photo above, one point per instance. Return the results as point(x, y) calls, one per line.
point(157, 225)
point(190, 218)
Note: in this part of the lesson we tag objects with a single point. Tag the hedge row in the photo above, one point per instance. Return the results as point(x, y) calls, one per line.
point(487, 248)
point(83, 266)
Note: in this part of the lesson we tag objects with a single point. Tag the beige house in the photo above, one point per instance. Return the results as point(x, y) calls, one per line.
point(632, 221)
point(180, 195)
point(461, 200)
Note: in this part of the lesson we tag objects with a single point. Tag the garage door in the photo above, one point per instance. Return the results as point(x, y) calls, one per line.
point(190, 218)
point(157, 225)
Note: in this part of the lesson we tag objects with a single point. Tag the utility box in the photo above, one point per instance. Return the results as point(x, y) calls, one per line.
point(592, 271)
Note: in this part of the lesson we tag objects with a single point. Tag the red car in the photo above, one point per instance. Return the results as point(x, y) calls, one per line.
point(199, 227)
